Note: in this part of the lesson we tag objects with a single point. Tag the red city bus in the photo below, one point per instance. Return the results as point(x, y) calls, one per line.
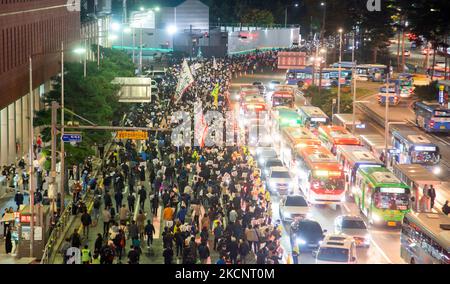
point(332, 136)
point(321, 177)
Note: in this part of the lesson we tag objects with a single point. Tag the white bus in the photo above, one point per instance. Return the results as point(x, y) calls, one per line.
point(425, 238)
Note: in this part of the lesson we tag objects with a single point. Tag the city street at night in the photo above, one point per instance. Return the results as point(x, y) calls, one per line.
point(245, 133)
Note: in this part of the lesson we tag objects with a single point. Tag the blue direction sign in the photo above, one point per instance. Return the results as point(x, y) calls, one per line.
point(72, 137)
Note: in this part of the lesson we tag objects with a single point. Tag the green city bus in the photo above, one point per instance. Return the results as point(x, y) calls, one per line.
point(381, 196)
point(282, 117)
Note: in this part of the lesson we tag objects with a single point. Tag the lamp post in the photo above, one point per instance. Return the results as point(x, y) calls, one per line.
point(353, 80)
point(339, 71)
point(286, 13)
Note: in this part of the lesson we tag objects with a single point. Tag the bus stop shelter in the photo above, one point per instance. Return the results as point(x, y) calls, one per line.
point(134, 89)
point(417, 177)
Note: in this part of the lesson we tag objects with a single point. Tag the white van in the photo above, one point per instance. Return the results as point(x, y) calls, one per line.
point(336, 249)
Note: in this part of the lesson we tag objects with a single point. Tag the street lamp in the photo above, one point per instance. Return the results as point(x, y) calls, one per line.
point(296, 5)
point(157, 9)
point(339, 71)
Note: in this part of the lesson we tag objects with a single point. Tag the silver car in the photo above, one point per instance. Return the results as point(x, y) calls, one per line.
point(354, 226)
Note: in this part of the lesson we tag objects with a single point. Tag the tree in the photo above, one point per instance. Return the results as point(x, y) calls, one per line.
point(428, 92)
point(94, 98)
point(257, 17)
point(325, 99)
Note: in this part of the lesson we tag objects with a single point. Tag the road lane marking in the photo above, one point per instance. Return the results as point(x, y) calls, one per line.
point(346, 208)
point(381, 251)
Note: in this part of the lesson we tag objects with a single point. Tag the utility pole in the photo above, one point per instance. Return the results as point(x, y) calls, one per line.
point(54, 132)
point(31, 160)
point(339, 71)
point(134, 44)
point(63, 153)
point(386, 122)
point(85, 58)
point(353, 84)
point(140, 50)
point(403, 48)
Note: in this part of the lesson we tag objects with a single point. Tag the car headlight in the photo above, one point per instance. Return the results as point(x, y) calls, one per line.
point(261, 160)
point(437, 170)
point(300, 241)
point(320, 243)
point(367, 239)
point(376, 218)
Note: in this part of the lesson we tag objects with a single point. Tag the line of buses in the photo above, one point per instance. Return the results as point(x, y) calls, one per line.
point(331, 165)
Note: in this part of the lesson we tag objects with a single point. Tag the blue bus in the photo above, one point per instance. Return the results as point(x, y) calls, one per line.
point(330, 77)
point(432, 117)
point(412, 147)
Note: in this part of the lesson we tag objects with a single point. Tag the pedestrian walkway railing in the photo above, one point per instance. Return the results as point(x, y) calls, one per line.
point(56, 233)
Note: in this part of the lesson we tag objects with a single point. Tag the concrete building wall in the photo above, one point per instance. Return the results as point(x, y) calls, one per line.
point(190, 12)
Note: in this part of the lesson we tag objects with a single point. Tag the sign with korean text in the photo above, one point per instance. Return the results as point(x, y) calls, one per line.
point(291, 60)
point(133, 135)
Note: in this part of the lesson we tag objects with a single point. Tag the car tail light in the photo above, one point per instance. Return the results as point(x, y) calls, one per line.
point(431, 123)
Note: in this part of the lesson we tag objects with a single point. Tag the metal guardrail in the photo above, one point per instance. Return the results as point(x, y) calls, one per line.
point(371, 114)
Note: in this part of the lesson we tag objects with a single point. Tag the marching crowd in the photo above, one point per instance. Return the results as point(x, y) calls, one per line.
point(211, 198)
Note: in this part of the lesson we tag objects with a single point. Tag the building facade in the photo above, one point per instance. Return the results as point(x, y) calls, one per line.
point(184, 15)
point(33, 28)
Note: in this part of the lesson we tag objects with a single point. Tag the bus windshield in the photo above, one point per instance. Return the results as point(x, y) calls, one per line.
point(391, 201)
point(282, 101)
point(424, 155)
point(333, 254)
point(327, 183)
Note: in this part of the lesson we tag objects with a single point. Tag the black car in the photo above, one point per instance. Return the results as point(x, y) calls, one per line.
point(306, 234)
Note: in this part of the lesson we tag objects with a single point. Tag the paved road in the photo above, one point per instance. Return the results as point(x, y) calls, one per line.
point(385, 246)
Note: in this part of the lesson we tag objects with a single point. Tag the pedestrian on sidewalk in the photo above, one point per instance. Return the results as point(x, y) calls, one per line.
point(8, 241)
point(133, 255)
point(149, 232)
point(106, 216)
point(86, 220)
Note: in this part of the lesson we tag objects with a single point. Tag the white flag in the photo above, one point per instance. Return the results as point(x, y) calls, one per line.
point(184, 81)
point(214, 63)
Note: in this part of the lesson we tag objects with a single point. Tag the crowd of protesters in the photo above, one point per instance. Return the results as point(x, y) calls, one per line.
point(210, 198)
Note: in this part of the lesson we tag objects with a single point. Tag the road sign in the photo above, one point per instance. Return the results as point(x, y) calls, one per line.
point(133, 135)
point(72, 137)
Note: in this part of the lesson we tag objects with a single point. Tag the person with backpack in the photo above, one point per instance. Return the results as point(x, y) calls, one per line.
point(107, 253)
point(168, 255)
point(119, 243)
point(75, 239)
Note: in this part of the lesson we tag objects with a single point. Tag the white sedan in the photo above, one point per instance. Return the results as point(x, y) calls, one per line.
point(354, 226)
point(294, 207)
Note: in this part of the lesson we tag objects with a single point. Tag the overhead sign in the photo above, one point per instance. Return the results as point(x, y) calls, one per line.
point(72, 137)
point(133, 135)
point(291, 60)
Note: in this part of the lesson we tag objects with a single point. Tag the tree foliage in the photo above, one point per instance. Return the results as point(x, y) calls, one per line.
point(325, 99)
point(257, 17)
point(94, 98)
